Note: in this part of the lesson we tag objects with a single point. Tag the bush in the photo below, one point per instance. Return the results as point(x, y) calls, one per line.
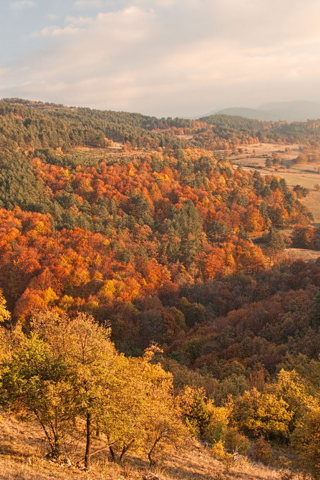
point(237, 442)
point(220, 453)
point(306, 440)
point(262, 451)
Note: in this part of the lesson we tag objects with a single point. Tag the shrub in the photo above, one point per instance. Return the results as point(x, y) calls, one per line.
point(306, 439)
point(237, 442)
point(220, 453)
point(262, 451)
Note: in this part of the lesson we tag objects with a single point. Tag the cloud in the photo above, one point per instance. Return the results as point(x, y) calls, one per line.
point(82, 21)
point(73, 25)
point(177, 57)
point(88, 4)
point(4, 72)
point(22, 4)
point(54, 31)
point(52, 16)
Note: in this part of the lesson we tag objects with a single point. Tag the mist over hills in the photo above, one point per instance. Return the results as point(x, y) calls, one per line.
point(299, 111)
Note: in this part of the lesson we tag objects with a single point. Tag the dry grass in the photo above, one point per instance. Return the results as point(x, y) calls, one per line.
point(312, 202)
point(305, 175)
point(256, 154)
point(302, 254)
point(100, 152)
point(23, 449)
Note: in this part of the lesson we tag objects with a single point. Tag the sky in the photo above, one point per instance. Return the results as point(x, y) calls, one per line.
point(160, 57)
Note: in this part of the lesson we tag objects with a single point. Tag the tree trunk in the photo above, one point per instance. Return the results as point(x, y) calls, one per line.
point(125, 449)
point(51, 442)
point(151, 460)
point(113, 456)
point(88, 445)
point(57, 451)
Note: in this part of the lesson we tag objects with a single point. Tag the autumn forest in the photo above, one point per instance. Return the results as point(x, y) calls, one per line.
point(148, 299)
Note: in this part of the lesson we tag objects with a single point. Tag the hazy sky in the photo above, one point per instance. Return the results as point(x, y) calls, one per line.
point(160, 57)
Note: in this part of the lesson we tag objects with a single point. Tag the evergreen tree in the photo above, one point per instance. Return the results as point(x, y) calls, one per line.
point(274, 241)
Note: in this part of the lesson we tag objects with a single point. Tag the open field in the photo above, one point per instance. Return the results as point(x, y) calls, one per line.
point(22, 452)
point(302, 254)
point(303, 174)
point(306, 175)
point(259, 152)
point(312, 201)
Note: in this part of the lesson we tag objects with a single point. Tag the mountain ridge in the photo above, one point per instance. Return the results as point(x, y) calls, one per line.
point(297, 111)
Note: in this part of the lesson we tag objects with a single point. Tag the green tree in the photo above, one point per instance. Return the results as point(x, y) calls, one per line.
point(38, 382)
point(274, 242)
point(268, 162)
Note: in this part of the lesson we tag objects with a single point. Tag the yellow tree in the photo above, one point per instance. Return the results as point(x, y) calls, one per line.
point(289, 386)
point(4, 317)
point(142, 413)
point(162, 421)
point(306, 439)
point(121, 409)
point(4, 314)
point(86, 348)
point(69, 375)
point(264, 414)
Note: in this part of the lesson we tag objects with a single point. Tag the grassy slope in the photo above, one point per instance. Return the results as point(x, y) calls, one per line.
point(22, 452)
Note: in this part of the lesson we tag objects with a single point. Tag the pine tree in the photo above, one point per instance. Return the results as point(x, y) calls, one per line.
point(274, 242)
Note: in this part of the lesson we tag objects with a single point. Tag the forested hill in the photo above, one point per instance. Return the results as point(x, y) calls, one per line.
point(304, 132)
point(86, 226)
point(37, 125)
point(142, 224)
point(90, 225)
point(121, 233)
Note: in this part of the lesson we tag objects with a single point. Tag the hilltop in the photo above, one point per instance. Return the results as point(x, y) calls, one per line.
point(299, 111)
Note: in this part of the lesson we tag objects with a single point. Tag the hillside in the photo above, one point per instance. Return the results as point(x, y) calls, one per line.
point(147, 296)
point(22, 449)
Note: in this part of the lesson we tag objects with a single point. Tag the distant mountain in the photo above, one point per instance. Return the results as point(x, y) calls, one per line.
point(245, 112)
point(299, 111)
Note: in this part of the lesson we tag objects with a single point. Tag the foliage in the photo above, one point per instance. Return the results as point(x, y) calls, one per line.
point(266, 131)
point(4, 313)
point(306, 438)
point(68, 375)
point(274, 242)
point(262, 414)
point(36, 381)
point(106, 248)
point(237, 442)
point(262, 451)
point(220, 453)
